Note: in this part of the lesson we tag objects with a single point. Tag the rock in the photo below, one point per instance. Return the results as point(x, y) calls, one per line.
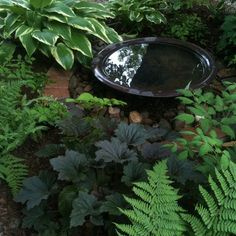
point(135, 117)
point(164, 124)
point(145, 114)
point(114, 112)
point(169, 114)
point(88, 88)
point(148, 121)
point(79, 90)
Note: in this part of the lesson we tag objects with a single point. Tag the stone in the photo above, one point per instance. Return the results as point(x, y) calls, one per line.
point(114, 112)
point(135, 117)
point(88, 88)
point(169, 114)
point(148, 121)
point(164, 124)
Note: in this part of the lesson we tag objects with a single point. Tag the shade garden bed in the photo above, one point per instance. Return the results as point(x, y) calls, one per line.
point(78, 155)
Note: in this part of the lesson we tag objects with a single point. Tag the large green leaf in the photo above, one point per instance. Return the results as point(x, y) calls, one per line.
point(113, 203)
point(134, 172)
point(71, 166)
point(22, 30)
point(114, 151)
point(83, 206)
point(132, 134)
point(81, 23)
point(61, 9)
point(6, 51)
point(60, 29)
point(63, 55)
point(35, 189)
point(40, 3)
point(28, 43)
point(66, 197)
point(80, 42)
point(46, 37)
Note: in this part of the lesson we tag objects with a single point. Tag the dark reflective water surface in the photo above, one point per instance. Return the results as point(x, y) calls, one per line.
point(154, 67)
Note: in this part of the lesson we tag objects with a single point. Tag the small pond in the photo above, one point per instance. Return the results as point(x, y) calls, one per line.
point(154, 67)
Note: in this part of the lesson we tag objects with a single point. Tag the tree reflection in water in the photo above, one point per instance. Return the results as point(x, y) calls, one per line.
point(123, 64)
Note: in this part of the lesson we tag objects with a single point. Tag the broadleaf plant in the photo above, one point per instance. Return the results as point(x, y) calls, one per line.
point(57, 28)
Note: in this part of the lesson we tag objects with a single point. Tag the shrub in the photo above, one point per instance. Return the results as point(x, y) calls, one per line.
point(57, 28)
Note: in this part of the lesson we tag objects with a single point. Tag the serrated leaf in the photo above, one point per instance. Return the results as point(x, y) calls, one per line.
point(85, 205)
point(112, 203)
point(65, 199)
point(114, 151)
point(50, 150)
point(35, 189)
point(132, 134)
point(155, 151)
point(63, 55)
point(71, 166)
point(134, 172)
point(187, 118)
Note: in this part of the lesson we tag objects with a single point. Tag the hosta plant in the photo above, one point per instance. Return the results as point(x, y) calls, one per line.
point(57, 28)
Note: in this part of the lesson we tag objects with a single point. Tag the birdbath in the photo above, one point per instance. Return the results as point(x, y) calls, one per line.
point(154, 67)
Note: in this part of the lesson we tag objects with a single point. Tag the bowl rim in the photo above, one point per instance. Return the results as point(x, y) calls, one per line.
point(202, 54)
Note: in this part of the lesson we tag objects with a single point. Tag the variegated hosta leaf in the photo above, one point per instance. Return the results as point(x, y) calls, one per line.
point(63, 55)
point(28, 43)
point(61, 9)
point(40, 3)
point(22, 30)
point(96, 9)
point(21, 3)
point(80, 42)
point(81, 23)
point(9, 22)
point(55, 17)
point(61, 29)
point(45, 49)
point(46, 36)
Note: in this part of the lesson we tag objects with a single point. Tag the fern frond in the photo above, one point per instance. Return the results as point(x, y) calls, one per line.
point(218, 217)
point(156, 211)
point(13, 171)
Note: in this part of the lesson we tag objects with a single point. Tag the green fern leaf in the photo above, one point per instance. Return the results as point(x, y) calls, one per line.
point(156, 211)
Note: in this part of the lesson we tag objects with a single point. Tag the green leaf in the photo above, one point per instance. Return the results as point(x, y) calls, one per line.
point(83, 206)
point(187, 118)
point(133, 172)
point(66, 197)
point(46, 37)
point(61, 9)
point(40, 3)
point(185, 100)
point(113, 203)
point(79, 42)
point(60, 29)
point(132, 134)
point(6, 51)
point(114, 151)
point(28, 43)
point(204, 149)
point(22, 30)
point(156, 17)
point(63, 55)
point(228, 130)
point(35, 189)
point(183, 155)
point(71, 166)
point(81, 23)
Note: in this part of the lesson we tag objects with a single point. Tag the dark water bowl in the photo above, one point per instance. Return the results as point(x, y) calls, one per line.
point(154, 67)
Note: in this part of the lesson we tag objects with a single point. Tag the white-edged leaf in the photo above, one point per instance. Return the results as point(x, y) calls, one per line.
point(61, 9)
point(61, 29)
point(22, 30)
point(55, 17)
point(47, 37)
point(80, 42)
point(28, 43)
point(63, 55)
point(81, 23)
point(40, 3)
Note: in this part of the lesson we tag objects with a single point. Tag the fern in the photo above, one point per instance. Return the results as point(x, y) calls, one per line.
point(218, 217)
point(156, 212)
point(13, 171)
